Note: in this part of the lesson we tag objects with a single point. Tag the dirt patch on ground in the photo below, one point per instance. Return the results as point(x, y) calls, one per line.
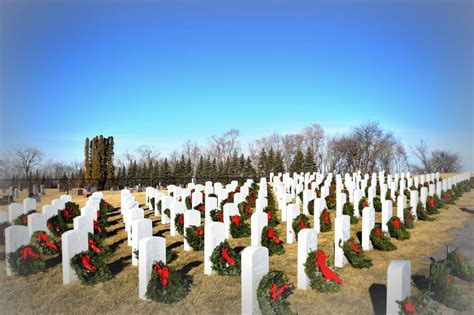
point(363, 290)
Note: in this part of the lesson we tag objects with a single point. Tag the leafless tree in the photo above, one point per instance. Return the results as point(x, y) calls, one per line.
point(420, 152)
point(26, 159)
point(222, 147)
point(147, 155)
point(191, 151)
point(434, 161)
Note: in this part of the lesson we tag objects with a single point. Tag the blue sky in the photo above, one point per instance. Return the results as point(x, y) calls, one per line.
point(161, 72)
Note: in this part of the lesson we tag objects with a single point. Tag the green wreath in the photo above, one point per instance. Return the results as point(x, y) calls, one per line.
point(57, 225)
point(421, 303)
point(45, 244)
point(167, 285)
point(363, 203)
point(380, 240)
point(439, 203)
point(179, 223)
point(271, 215)
point(311, 207)
point(422, 214)
point(238, 227)
point(96, 244)
point(74, 209)
point(152, 202)
point(225, 261)
point(244, 210)
point(322, 277)
point(201, 208)
point(188, 202)
point(299, 223)
point(195, 237)
point(330, 203)
point(348, 209)
point(325, 224)
point(397, 229)
point(377, 204)
point(408, 218)
point(26, 260)
point(270, 240)
point(216, 215)
point(460, 265)
point(355, 254)
point(22, 219)
point(273, 292)
point(90, 268)
point(159, 207)
point(431, 206)
point(251, 200)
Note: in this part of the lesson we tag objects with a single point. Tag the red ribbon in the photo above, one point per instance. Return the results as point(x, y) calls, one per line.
point(226, 257)
point(202, 208)
point(199, 231)
point(354, 246)
point(44, 238)
point(302, 225)
point(24, 219)
point(378, 232)
point(326, 217)
point(247, 209)
point(325, 270)
point(66, 214)
point(409, 307)
point(86, 263)
point(235, 219)
point(252, 200)
point(445, 196)
point(269, 215)
point(219, 215)
point(396, 223)
point(93, 247)
point(163, 273)
point(98, 215)
point(28, 252)
point(271, 234)
point(364, 203)
point(431, 202)
point(97, 227)
point(181, 219)
point(275, 292)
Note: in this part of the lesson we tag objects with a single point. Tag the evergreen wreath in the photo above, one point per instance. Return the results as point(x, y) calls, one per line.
point(330, 202)
point(408, 219)
point(421, 213)
point(447, 198)
point(322, 277)
point(179, 223)
point(251, 201)
point(348, 209)
point(244, 210)
point(377, 204)
point(271, 215)
point(167, 212)
point(380, 240)
point(45, 244)
point(188, 202)
point(325, 224)
point(460, 265)
point(57, 225)
point(431, 206)
point(99, 229)
point(238, 227)
point(311, 207)
point(216, 215)
point(195, 237)
point(26, 260)
point(299, 223)
point(22, 219)
point(167, 285)
point(420, 304)
point(90, 268)
point(355, 254)
point(225, 261)
point(363, 203)
point(159, 207)
point(201, 208)
point(152, 202)
point(273, 292)
point(397, 229)
point(270, 240)
point(439, 203)
point(96, 244)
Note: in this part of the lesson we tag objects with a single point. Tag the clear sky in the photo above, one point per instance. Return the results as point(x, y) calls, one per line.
point(161, 72)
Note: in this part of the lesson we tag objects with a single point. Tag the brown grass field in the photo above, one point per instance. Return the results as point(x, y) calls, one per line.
point(44, 293)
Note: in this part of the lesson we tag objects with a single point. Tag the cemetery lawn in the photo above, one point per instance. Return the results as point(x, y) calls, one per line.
point(44, 292)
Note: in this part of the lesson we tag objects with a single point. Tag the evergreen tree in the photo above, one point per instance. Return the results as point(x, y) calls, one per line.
point(188, 171)
point(262, 163)
point(278, 166)
point(233, 169)
point(98, 161)
point(297, 163)
point(166, 173)
point(110, 162)
point(309, 163)
point(249, 170)
point(200, 169)
point(155, 174)
point(87, 163)
point(214, 174)
point(270, 164)
point(208, 169)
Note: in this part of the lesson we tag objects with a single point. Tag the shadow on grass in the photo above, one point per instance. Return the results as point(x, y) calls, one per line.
point(117, 266)
point(239, 249)
point(53, 261)
point(174, 245)
point(359, 236)
point(378, 297)
point(162, 232)
point(468, 210)
point(116, 244)
point(189, 266)
point(421, 282)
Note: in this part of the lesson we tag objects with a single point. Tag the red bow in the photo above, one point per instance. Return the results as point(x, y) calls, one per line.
point(93, 247)
point(86, 263)
point(354, 246)
point(219, 215)
point(202, 208)
point(226, 257)
point(247, 209)
point(275, 292)
point(431, 202)
point(409, 307)
point(66, 214)
point(163, 273)
point(252, 200)
point(396, 223)
point(28, 252)
point(302, 225)
point(271, 234)
point(326, 217)
point(199, 231)
point(98, 215)
point(445, 196)
point(97, 227)
point(364, 203)
point(325, 270)
point(235, 219)
point(24, 219)
point(269, 215)
point(378, 232)
point(44, 238)
point(181, 219)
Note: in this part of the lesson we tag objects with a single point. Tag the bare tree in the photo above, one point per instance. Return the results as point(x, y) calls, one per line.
point(434, 161)
point(222, 147)
point(147, 155)
point(420, 152)
point(26, 159)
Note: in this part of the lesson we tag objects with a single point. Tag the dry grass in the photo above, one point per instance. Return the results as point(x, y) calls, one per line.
point(44, 292)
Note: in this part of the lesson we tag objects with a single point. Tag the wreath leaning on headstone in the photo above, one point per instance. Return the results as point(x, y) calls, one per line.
point(311, 207)
point(325, 224)
point(225, 261)
point(422, 214)
point(348, 209)
point(167, 285)
point(90, 268)
point(271, 215)
point(238, 227)
point(431, 206)
point(408, 218)
point(270, 240)
point(380, 240)
point(421, 303)
point(201, 208)
point(299, 223)
point(23, 218)
point(244, 210)
point(355, 254)
point(45, 244)
point(322, 277)
point(460, 265)
point(397, 229)
point(179, 223)
point(26, 260)
point(195, 237)
point(96, 244)
point(273, 292)
point(216, 215)
point(57, 225)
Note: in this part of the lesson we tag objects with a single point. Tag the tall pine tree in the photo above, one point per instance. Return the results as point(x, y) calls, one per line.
point(297, 163)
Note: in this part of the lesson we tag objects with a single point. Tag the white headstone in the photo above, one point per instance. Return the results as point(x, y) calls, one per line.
point(398, 284)
point(387, 213)
point(84, 223)
point(230, 209)
point(151, 249)
point(15, 237)
point(401, 205)
point(141, 228)
point(214, 234)
point(259, 220)
point(29, 204)
point(89, 211)
point(72, 242)
point(49, 211)
point(292, 212)
point(14, 211)
point(37, 222)
point(210, 204)
point(307, 242)
point(342, 232)
point(255, 265)
point(368, 223)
